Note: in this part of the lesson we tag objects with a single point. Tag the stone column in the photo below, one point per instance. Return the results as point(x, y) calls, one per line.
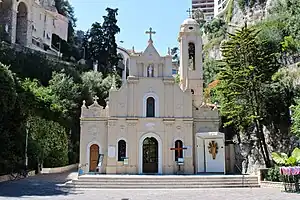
point(13, 24)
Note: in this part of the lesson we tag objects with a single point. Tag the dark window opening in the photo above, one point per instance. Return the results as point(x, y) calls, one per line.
point(150, 107)
point(192, 56)
point(121, 150)
point(178, 153)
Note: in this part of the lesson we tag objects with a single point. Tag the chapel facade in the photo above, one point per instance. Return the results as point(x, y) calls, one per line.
point(152, 124)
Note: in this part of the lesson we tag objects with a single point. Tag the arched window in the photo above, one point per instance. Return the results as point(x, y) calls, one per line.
point(121, 150)
point(192, 91)
point(150, 112)
point(178, 151)
point(192, 56)
point(22, 24)
point(127, 67)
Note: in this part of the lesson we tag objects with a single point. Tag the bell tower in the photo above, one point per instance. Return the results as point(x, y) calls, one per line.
point(191, 65)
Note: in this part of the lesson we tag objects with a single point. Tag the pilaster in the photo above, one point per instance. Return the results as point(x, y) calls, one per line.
point(188, 142)
point(134, 147)
point(168, 162)
point(111, 167)
point(13, 24)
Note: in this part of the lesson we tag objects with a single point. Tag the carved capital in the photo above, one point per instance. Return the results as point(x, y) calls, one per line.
point(188, 125)
point(132, 124)
point(111, 123)
point(169, 122)
point(169, 125)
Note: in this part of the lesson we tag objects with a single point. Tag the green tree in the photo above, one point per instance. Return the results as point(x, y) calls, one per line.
point(66, 95)
point(289, 12)
point(48, 142)
point(210, 70)
point(101, 42)
point(95, 84)
point(7, 90)
point(248, 67)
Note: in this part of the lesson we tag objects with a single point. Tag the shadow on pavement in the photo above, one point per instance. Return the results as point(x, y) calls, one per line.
point(39, 185)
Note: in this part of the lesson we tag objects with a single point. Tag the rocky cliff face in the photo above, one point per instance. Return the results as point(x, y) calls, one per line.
point(250, 14)
point(239, 17)
point(248, 156)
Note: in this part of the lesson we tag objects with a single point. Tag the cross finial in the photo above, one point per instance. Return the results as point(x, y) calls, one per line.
point(190, 12)
point(95, 98)
point(150, 32)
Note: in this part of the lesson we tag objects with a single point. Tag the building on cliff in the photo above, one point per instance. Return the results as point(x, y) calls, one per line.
point(33, 24)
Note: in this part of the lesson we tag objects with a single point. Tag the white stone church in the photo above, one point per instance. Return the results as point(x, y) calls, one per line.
point(153, 125)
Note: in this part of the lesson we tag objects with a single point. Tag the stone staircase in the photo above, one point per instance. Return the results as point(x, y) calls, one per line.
point(163, 181)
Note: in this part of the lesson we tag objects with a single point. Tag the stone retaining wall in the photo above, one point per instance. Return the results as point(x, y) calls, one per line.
point(10, 177)
point(59, 169)
point(269, 184)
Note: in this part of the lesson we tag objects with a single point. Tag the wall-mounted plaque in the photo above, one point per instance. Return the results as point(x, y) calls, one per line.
point(111, 151)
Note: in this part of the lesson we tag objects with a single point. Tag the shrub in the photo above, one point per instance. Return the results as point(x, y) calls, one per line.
point(274, 175)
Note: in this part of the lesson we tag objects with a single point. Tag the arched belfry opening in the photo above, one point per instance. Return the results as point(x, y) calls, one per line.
point(22, 24)
point(191, 51)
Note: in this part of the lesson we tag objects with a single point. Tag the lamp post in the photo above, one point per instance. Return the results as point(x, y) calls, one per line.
point(26, 145)
point(59, 47)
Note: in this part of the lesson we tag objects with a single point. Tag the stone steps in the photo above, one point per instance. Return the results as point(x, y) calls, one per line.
point(136, 182)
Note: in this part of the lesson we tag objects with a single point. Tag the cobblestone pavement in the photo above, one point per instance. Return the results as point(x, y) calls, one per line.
point(45, 187)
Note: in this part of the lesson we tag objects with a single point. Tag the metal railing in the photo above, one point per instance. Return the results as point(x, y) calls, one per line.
point(244, 179)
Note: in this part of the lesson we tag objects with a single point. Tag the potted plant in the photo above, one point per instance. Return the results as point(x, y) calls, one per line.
point(290, 169)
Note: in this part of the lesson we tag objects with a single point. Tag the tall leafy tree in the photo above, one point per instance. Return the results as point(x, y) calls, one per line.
point(248, 68)
point(101, 42)
point(289, 12)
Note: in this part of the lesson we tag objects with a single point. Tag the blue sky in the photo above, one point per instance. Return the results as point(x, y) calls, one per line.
point(135, 17)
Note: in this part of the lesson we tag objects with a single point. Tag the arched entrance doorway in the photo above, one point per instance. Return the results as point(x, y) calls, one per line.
point(22, 24)
point(150, 155)
point(94, 156)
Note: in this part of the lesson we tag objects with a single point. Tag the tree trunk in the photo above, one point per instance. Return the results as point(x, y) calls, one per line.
point(259, 128)
point(263, 139)
point(259, 139)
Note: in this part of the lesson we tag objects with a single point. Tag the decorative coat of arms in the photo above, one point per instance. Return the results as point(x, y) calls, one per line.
point(213, 149)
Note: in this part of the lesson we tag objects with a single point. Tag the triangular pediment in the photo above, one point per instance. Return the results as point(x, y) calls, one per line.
point(150, 52)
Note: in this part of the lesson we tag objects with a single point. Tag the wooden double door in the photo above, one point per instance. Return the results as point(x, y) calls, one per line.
point(150, 156)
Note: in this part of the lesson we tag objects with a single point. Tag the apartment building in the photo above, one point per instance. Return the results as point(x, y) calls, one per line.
point(33, 24)
point(207, 6)
point(220, 7)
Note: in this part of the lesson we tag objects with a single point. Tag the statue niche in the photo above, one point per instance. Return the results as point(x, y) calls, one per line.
point(191, 56)
point(150, 71)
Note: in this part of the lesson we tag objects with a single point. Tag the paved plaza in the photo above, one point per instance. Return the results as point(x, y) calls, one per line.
point(48, 187)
